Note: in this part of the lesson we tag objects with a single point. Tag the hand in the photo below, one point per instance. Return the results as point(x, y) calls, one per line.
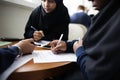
point(58, 48)
point(26, 46)
point(77, 44)
point(38, 35)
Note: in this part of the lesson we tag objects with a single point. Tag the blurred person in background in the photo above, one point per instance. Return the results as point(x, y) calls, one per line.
point(80, 17)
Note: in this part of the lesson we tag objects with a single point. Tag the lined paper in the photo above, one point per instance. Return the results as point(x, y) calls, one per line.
point(46, 56)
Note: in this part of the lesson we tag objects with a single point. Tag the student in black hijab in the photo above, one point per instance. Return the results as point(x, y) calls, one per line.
point(50, 19)
point(98, 55)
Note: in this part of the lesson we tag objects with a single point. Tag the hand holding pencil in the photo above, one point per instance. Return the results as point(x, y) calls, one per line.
point(37, 35)
point(58, 46)
point(59, 40)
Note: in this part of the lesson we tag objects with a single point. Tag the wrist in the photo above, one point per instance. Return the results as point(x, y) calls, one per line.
point(20, 53)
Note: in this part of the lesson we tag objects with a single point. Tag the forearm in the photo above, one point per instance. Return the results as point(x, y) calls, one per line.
point(81, 59)
point(70, 46)
point(7, 56)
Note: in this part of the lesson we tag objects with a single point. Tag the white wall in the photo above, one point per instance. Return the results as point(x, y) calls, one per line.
point(13, 19)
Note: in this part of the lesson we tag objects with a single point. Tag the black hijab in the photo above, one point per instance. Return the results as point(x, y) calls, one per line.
point(53, 24)
point(54, 17)
point(102, 44)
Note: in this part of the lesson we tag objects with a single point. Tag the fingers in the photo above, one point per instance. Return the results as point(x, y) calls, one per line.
point(38, 35)
point(42, 33)
point(80, 40)
point(58, 52)
point(58, 48)
point(77, 44)
point(30, 40)
point(53, 43)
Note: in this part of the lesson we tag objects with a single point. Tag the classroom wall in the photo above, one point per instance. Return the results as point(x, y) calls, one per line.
point(13, 19)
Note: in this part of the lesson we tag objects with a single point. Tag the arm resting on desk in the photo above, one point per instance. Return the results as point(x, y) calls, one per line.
point(7, 56)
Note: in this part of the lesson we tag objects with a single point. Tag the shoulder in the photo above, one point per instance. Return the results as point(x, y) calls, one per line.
point(62, 9)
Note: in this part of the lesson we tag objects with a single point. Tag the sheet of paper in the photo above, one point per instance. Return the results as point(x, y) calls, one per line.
point(16, 64)
point(42, 43)
point(46, 56)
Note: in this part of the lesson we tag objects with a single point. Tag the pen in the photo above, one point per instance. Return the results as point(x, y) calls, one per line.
point(37, 30)
point(33, 28)
point(60, 39)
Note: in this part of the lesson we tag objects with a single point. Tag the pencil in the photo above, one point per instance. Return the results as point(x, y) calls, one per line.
point(60, 39)
point(33, 28)
point(37, 30)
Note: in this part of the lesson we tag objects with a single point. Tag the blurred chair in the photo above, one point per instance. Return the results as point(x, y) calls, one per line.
point(76, 31)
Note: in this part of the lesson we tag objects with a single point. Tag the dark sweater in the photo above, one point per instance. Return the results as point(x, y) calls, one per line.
point(99, 58)
point(7, 56)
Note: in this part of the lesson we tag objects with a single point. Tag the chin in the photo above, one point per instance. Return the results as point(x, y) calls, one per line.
point(47, 11)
